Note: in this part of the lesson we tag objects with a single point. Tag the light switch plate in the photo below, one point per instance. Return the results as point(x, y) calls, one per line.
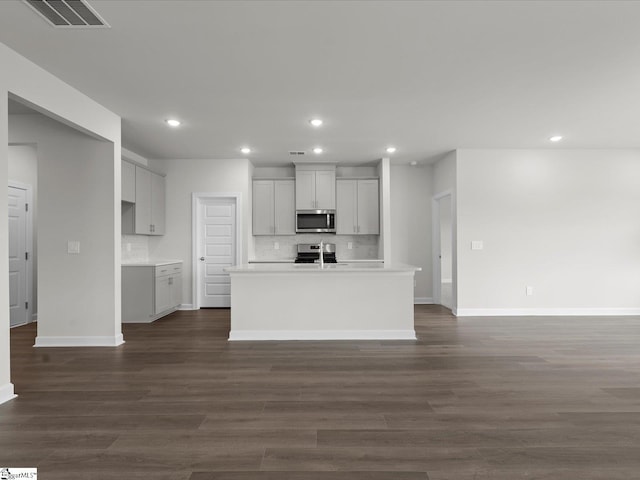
point(529, 291)
point(349, 245)
point(477, 244)
point(276, 246)
point(73, 247)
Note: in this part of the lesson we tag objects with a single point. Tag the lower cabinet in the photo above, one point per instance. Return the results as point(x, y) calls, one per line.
point(150, 292)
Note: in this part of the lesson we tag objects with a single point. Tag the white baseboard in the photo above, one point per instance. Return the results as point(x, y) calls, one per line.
point(34, 317)
point(186, 306)
point(251, 335)
point(559, 312)
point(79, 341)
point(6, 393)
point(423, 301)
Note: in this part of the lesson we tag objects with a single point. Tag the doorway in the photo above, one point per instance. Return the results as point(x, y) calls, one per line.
point(216, 234)
point(443, 249)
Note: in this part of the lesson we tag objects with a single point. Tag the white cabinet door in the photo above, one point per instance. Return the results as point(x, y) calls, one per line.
point(143, 202)
point(176, 290)
point(263, 205)
point(284, 207)
point(368, 221)
point(346, 209)
point(305, 189)
point(163, 294)
point(325, 189)
point(128, 182)
point(157, 204)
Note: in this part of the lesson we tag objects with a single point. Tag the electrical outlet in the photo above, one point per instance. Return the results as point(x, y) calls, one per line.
point(73, 247)
point(349, 245)
point(477, 245)
point(276, 245)
point(529, 291)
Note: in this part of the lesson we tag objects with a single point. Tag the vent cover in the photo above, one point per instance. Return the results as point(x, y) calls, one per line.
point(68, 13)
point(296, 153)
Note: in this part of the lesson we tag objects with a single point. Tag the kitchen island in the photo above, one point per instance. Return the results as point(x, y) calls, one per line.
point(360, 301)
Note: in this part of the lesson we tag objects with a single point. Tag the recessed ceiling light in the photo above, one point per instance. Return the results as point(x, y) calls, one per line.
point(245, 150)
point(391, 149)
point(315, 122)
point(413, 163)
point(317, 150)
point(555, 138)
point(172, 122)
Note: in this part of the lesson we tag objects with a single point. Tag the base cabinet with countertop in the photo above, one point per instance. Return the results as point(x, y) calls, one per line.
point(150, 290)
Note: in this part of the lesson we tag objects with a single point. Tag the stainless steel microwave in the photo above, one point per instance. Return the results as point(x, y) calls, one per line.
point(315, 221)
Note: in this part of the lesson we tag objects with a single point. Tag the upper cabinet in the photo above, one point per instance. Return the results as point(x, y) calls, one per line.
point(146, 216)
point(273, 207)
point(128, 182)
point(358, 211)
point(315, 187)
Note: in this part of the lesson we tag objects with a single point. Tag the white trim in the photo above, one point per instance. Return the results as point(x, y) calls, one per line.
point(6, 393)
point(133, 157)
point(196, 198)
point(523, 312)
point(261, 335)
point(29, 243)
point(186, 306)
point(34, 317)
point(423, 301)
point(79, 341)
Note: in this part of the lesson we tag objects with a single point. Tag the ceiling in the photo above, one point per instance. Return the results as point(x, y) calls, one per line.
point(426, 77)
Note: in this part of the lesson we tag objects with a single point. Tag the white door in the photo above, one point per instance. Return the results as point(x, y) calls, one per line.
point(284, 212)
point(346, 212)
point(17, 257)
point(217, 245)
point(368, 222)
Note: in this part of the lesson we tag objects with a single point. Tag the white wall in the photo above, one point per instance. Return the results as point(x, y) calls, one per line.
point(43, 91)
point(74, 200)
point(23, 168)
point(566, 222)
point(411, 224)
point(185, 177)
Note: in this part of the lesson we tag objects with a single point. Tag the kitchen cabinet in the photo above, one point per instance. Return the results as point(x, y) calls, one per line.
point(128, 182)
point(146, 216)
point(150, 203)
point(358, 207)
point(315, 187)
point(150, 291)
point(274, 207)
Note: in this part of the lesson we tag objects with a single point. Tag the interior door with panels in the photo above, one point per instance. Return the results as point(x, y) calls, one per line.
point(18, 307)
point(217, 245)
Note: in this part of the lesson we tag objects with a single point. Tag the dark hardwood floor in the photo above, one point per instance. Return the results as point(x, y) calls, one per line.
point(473, 398)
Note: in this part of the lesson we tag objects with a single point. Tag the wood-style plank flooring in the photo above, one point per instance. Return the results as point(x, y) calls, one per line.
point(473, 398)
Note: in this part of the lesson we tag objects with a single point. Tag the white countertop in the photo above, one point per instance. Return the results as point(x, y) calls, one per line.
point(369, 267)
point(150, 263)
point(292, 260)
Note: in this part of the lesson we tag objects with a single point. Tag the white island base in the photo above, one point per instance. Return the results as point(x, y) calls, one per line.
point(337, 302)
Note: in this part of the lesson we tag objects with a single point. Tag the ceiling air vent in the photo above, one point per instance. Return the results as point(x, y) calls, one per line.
point(68, 13)
point(296, 153)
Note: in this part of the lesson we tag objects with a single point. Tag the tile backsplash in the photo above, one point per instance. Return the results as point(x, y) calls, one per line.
point(365, 247)
point(135, 248)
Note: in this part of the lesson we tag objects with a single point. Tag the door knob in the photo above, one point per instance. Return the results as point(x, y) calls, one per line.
point(202, 259)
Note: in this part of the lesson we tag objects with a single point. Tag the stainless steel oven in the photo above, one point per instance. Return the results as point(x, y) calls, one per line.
point(315, 221)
